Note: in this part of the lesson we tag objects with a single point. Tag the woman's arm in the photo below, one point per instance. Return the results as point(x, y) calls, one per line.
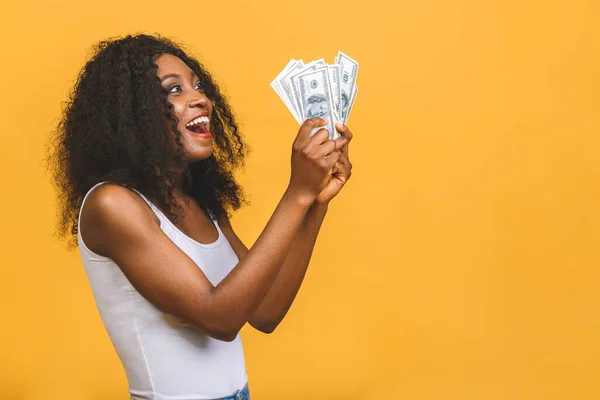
point(116, 223)
point(281, 295)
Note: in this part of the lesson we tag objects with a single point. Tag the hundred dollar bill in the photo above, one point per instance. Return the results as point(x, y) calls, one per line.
point(293, 82)
point(285, 90)
point(284, 85)
point(349, 70)
point(276, 87)
point(316, 99)
point(274, 84)
point(354, 93)
point(318, 65)
point(334, 80)
point(341, 84)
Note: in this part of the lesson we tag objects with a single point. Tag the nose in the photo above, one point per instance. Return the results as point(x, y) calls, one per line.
point(198, 99)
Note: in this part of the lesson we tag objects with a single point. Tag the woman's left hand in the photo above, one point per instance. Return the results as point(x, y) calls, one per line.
point(342, 170)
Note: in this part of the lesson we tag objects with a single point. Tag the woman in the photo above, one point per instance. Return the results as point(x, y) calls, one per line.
point(144, 161)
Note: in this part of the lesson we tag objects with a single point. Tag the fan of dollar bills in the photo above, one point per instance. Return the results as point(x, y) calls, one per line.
point(319, 90)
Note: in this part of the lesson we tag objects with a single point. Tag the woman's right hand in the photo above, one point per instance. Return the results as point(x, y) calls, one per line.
point(313, 159)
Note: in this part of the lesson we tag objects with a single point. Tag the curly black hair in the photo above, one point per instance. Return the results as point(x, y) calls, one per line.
point(113, 128)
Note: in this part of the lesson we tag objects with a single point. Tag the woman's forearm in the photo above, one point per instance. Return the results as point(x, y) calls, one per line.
point(236, 297)
point(282, 293)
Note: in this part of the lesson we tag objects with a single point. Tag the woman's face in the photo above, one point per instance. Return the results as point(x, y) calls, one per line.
point(190, 105)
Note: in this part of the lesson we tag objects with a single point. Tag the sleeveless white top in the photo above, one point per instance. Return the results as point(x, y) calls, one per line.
point(164, 359)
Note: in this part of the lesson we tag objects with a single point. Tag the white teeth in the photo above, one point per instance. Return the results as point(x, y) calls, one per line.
point(197, 121)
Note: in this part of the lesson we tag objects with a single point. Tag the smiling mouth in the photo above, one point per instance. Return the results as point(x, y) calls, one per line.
point(199, 125)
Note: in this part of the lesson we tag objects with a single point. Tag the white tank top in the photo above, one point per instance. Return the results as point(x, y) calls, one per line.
point(163, 359)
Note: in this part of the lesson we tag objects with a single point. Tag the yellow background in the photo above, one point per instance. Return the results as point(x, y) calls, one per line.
point(460, 262)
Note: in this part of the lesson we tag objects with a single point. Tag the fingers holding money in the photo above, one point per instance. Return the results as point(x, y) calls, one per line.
point(342, 171)
point(344, 160)
point(326, 145)
point(324, 148)
point(306, 128)
point(312, 161)
point(318, 145)
point(343, 129)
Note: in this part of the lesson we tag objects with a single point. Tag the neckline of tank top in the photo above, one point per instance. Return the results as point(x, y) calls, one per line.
point(188, 238)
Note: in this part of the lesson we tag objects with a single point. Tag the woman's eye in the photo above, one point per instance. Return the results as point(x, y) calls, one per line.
point(199, 87)
point(172, 89)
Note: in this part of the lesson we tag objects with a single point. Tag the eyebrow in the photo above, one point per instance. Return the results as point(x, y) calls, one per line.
point(193, 75)
point(169, 76)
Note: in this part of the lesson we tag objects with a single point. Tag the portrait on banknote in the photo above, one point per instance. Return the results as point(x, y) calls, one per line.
point(317, 106)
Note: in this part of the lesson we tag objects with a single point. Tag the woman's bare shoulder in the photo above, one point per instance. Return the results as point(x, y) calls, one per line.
point(112, 210)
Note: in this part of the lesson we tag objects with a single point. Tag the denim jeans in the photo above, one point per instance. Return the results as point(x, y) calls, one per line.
point(243, 394)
